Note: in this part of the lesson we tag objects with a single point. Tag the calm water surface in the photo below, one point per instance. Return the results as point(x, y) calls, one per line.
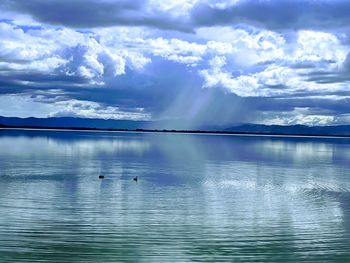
point(198, 198)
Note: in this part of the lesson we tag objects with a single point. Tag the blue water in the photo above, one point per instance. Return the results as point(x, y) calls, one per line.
point(198, 198)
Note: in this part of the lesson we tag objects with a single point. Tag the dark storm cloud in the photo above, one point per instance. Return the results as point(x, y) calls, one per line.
point(95, 13)
point(321, 105)
point(162, 87)
point(166, 96)
point(281, 14)
point(154, 90)
point(177, 95)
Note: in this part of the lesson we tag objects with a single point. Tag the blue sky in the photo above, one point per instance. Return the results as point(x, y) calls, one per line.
point(202, 61)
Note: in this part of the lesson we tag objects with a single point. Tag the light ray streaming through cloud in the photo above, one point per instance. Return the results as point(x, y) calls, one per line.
point(201, 61)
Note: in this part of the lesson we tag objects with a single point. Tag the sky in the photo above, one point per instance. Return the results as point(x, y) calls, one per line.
point(206, 62)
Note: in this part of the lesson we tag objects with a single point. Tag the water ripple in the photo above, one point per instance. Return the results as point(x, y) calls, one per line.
point(252, 201)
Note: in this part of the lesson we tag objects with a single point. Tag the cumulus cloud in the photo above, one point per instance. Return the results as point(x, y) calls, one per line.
point(204, 61)
point(63, 51)
point(90, 109)
point(299, 116)
point(284, 72)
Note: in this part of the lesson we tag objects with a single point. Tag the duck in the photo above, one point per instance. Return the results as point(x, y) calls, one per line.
point(135, 178)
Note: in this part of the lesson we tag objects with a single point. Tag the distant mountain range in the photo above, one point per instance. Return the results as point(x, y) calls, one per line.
point(101, 124)
point(71, 122)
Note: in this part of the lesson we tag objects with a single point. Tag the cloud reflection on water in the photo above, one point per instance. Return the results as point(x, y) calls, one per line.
point(199, 198)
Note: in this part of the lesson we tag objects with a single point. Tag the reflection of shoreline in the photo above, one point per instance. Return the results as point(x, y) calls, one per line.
point(199, 132)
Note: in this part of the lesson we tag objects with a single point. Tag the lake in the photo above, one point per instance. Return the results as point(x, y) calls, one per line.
point(198, 198)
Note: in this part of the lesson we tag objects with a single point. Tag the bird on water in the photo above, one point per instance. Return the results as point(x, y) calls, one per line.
point(101, 176)
point(135, 178)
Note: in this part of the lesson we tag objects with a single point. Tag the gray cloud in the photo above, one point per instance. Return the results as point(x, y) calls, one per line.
point(281, 14)
point(105, 71)
point(342, 75)
point(95, 13)
point(275, 15)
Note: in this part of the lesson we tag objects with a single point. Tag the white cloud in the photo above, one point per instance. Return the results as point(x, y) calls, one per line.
point(246, 48)
point(316, 46)
point(273, 81)
point(247, 61)
point(244, 52)
point(91, 109)
point(176, 50)
point(18, 105)
point(299, 116)
point(15, 44)
point(76, 53)
point(46, 65)
point(176, 7)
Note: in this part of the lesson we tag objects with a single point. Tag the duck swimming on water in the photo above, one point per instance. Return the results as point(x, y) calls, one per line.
point(135, 178)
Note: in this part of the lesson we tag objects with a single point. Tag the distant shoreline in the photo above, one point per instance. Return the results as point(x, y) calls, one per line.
point(232, 133)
